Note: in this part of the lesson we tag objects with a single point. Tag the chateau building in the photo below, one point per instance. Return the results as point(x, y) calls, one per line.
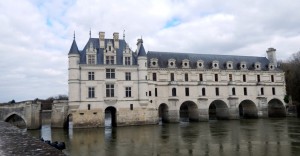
point(139, 88)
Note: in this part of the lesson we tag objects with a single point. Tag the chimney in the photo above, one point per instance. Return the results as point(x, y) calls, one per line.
point(101, 39)
point(116, 40)
point(271, 52)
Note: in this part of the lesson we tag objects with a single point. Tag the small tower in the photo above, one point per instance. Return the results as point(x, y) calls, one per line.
point(74, 90)
point(271, 52)
point(142, 73)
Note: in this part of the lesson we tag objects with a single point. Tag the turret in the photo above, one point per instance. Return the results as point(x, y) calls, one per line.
point(271, 52)
point(142, 69)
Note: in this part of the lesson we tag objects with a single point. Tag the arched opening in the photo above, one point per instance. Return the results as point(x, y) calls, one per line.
point(218, 110)
point(276, 108)
point(163, 111)
point(110, 117)
point(68, 122)
point(189, 112)
point(16, 120)
point(248, 110)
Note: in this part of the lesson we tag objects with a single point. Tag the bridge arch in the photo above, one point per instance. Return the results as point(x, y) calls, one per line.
point(189, 111)
point(163, 112)
point(16, 119)
point(110, 116)
point(276, 108)
point(248, 110)
point(218, 109)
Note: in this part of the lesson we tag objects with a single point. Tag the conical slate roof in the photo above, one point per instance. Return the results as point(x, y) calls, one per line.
point(142, 51)
point(74, 48)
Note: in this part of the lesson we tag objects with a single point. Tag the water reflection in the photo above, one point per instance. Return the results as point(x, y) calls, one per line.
point(273, 137)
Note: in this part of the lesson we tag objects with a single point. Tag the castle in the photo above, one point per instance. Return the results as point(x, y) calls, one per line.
point(139, 88)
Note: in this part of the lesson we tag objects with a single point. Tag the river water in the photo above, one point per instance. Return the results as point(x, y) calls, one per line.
point(253, 137)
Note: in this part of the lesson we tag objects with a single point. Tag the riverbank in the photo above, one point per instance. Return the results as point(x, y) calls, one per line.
point(15, 142)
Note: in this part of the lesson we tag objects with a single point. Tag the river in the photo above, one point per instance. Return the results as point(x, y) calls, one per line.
point(252, 137)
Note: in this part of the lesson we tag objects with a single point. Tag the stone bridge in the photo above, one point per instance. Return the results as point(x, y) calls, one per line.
point(24, 114)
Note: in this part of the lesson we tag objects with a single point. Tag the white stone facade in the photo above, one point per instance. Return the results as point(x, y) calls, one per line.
point(143, 87)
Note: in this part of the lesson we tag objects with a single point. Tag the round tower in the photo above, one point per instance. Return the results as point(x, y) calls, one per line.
point(142, 73)
point(271, 53)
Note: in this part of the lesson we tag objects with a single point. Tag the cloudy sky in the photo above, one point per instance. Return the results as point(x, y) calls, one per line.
point(36, 35)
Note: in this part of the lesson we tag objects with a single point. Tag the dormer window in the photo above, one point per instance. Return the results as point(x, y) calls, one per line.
point(171, 63)
point(185, 63)
point(229, 65)
point(257, 66)
point(200, 64)
point(271, 66)
point(91, 54)
point(154, 62)
point(215, 65)
point(243, 65)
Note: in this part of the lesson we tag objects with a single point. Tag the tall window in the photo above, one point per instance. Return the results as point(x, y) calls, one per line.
point(110, 60)
point(110, 90)
point(91, 92)
point(89, 106)
point(110, 73)
point(258, 78)
point(127, 61)
point(203, 92)
point(155, 92)
point(150, 94)
point(173, 91)
point(187, 92)
point(127, 76)
point(230, 77)
point(216, 77)
point(262, 91)
point(186, 77)
point(217, 92)
point(91, 75)
point(154, 76)
point(172, 77)
point(272, 78)
point(233, 91)
point(91, 59)
point(244, 78)
point(245, 91)
point(273, 91)
point(128, 91)
point(200, 77)
point(131, 106)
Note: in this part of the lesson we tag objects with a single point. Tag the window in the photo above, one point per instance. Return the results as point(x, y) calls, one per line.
point(273, 91)
point(91, 92)
point(173, 91)
point(128, 91)
point(216, 78)
point(109, 48)
point(154, 76)
point(258, 78)
point(203, 92)
point(200, 77)
point(187, 92)
point(230, 77)
point(91, 59)
point(110, 73)
point(131, 106)
point(245, 91)
point(127, 76)
point(155, 92)
point(89, 106)
point(244, 78)
point(91, 75)
point(233, 91)
point(262, 91)
point(172, 76)
point(110, 60)
point(150, 94)
point(272, 78)
point(217, 91)
point(186, 77)
point(127, 61)
point(110, 90)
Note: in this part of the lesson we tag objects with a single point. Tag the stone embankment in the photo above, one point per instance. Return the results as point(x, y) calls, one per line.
point(15, 142)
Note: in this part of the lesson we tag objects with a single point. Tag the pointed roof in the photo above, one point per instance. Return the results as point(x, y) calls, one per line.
point(74, 48)
point(142, 51)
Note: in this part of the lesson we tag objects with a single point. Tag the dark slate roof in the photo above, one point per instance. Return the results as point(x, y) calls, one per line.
point(100, 59)
point(142, 51)
point(74, 48)
point(163, 58)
